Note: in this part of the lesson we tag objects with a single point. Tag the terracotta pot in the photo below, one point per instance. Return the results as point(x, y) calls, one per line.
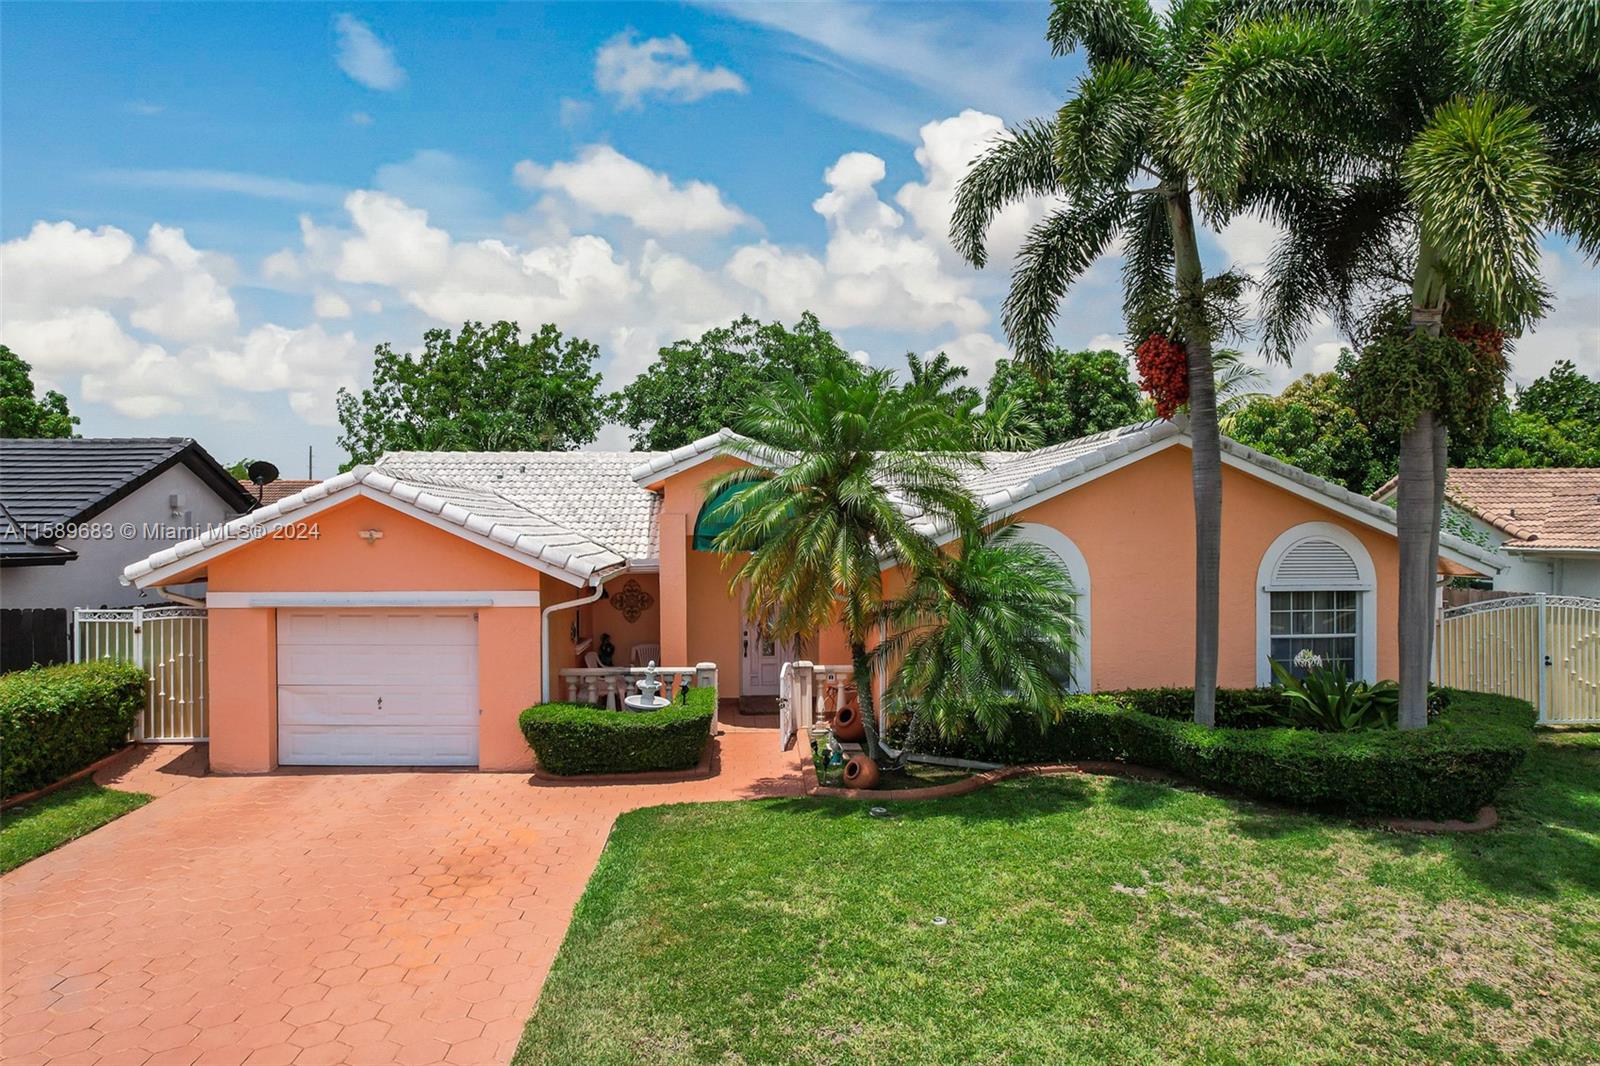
point(847, 723)
point(860, 772)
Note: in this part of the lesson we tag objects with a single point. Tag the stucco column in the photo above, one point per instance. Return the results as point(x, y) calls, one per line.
point(242, 668)
point(674, 589)
point(508, 683)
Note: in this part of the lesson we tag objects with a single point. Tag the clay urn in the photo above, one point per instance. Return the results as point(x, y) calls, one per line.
point(847, 723)
point(860, 772)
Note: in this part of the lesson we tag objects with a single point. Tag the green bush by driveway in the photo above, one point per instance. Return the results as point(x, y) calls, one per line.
point(570, 738)
point(1087, 920)
point(1447, 770)
point(55, 720)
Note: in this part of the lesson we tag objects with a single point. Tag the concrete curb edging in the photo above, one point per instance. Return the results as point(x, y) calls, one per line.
point(1487, 817)
point(71, 779)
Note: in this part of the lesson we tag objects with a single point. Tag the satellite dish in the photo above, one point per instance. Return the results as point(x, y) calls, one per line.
point(261, 472)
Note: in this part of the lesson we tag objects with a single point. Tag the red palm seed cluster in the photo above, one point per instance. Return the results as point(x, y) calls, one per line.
point(1163, 372)
point(1488, 341)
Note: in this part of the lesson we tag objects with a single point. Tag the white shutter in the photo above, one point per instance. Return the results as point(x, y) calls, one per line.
point(1317, 562)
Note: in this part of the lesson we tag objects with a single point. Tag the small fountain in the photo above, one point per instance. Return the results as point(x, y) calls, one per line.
point(649, 697)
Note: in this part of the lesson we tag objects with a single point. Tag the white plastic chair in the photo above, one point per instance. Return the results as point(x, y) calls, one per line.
point(645, 654)
point(612, 687)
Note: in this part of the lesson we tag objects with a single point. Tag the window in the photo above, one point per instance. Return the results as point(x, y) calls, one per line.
point(1317, 593)
point(1326, 623)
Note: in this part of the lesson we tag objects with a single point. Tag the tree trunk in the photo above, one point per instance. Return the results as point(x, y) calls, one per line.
point(862, 663)
point(1206, 453)
point(1419, 502)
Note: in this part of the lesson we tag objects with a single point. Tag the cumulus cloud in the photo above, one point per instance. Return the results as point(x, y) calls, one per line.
point(946, 151)
point(330, 305)
point(364, 57)
point(607, 182)
point(630, 69)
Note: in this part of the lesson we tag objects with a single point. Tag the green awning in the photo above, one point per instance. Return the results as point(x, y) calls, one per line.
point(713, 520)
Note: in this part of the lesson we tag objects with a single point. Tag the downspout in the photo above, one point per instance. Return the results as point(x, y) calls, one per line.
point(544, 635)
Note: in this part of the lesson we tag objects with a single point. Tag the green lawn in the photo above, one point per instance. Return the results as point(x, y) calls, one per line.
point(28, 831)
point(1088, 920)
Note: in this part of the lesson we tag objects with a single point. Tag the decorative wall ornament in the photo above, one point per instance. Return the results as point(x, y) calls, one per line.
point(632, 601)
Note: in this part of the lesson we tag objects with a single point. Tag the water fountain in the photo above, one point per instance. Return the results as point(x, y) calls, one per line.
point(649, 697)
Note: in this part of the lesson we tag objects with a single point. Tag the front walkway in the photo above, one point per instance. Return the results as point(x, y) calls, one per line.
point(308, 918)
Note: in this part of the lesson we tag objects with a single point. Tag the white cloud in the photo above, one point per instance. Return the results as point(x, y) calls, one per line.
point(330, 305)
point(364, 57)
point(947, 151)
point(631, 69)
point(605, 181)
point(260, 186)
point(573, 112)
point(976, 351)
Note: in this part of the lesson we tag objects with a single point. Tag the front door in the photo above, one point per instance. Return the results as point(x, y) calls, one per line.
point(763, 659)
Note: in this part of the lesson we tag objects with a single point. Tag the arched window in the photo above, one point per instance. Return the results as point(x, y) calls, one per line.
point(1317, 593)
point(1077, 568)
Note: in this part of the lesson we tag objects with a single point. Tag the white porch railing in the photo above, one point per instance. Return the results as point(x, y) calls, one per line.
point(170, 644)
point(608, 685)
point(808, 695)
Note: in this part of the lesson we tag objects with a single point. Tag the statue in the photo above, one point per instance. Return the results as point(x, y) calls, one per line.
point(607, 650)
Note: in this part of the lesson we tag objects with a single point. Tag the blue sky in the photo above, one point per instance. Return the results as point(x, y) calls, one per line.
point(212, 213)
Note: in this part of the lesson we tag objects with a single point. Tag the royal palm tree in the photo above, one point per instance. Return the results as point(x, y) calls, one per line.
point(848, 475)
point(1435, 142)
point(1111, 159)
point(982, 637)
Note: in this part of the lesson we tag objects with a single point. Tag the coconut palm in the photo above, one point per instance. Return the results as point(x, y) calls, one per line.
point(984, 636)
point(1434, 143)
point(1111, 159)
point(848, 475)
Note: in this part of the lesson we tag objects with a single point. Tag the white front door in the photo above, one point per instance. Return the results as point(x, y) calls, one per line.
point(377, 687)
point(763, 659)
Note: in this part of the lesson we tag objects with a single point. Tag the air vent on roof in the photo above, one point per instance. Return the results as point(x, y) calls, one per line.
point(1317, 562)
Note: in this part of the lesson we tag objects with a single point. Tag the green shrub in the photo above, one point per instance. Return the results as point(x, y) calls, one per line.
point(570, 738)
point(1448, 770)
point(55, 720)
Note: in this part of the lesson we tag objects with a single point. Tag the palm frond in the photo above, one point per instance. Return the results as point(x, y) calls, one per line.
point(1056, 254)
point(1106, 30)
point(1018, 164)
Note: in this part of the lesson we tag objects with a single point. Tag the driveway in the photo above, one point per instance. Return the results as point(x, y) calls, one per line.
point(318, 918)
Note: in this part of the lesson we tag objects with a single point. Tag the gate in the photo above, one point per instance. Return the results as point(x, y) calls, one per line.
point(1540, 648)
point(170, 643)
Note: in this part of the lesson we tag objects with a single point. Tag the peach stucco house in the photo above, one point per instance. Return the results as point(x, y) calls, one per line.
point(404, 613)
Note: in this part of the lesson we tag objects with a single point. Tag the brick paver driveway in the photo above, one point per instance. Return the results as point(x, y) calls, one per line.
point(318, 918)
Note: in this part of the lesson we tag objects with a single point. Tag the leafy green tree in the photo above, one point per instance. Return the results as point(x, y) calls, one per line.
point(1112, 160)
point(1079, 393)
point(696, 387)
point(1001, 426)
point(1314, 425)
point(1553, 422)
point(984, 635)
point(483, 389)
point(22, 414)
point(1424, 148)
point(834, 465)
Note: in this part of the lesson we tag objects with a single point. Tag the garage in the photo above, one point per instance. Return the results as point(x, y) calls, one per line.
point(377, 687)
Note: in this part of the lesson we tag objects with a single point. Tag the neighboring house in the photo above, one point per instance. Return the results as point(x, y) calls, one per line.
point(1543, 523)
point(77, 511)
point(273, 491)
point(405, 613)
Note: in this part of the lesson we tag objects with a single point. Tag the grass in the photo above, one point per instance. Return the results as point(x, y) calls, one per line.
point(1087, 920)
point(28, 831)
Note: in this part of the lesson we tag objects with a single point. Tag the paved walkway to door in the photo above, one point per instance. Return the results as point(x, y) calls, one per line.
point(319, 917)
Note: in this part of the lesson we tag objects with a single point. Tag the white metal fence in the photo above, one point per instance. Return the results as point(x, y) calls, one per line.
point(1541, 648)
point(170, 643)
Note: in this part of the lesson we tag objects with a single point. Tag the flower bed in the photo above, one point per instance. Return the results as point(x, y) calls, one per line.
point(1448, 770)
point(570, 738)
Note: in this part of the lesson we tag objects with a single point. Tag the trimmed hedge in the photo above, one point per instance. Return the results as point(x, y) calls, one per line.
point(1448, 770)
point(570, 738)
point(55, 720)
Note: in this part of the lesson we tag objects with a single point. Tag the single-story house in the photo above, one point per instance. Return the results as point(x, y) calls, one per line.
point(74, 512)
point(405, 612)
point(1543, 524)
point(273, 491)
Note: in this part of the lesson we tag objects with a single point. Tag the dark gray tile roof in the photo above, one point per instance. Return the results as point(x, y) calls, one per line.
point(46, 483)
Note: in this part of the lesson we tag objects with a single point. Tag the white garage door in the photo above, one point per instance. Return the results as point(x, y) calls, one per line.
point(376, 687)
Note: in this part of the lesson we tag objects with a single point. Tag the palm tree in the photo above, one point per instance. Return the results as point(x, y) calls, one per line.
point(987, 633)
point(1112, 156)
point(849, 475)
point(1432, 143)
point(998, 427)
